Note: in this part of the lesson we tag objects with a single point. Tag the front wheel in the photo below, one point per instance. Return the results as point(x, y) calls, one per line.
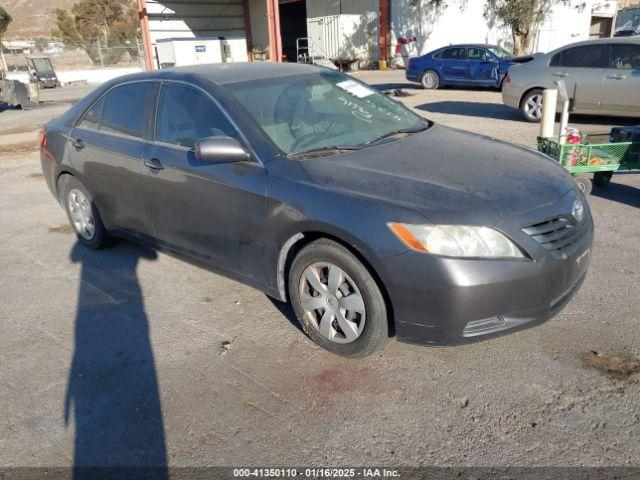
point(531, 106)
point(430, 80)
point(584, 183)
point(336, 300)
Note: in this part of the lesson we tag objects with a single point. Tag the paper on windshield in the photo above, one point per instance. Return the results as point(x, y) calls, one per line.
point(355, 89)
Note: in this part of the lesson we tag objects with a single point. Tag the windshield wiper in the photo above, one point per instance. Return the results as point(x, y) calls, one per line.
point(394, 133)
point(319, 152)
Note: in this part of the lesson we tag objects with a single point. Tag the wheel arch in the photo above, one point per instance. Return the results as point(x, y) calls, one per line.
point(527, 92)
point(59, 178)
point(299, 240)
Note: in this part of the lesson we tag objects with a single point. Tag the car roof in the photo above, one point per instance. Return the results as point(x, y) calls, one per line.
point(597, 41)
point(226, 73)
point(603, 40)
point(468, 45)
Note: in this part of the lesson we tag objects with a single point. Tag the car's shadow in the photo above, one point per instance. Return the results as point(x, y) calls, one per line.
point(502, 112)
point(287, 311)
point(472, 109)
point(381, 87)
point(619, 192)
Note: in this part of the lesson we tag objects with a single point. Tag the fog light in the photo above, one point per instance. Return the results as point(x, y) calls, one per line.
point(480, 327)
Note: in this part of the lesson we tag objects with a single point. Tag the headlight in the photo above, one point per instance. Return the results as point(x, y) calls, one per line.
point(456, 240)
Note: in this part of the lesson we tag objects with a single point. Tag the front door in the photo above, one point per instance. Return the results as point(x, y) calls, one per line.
point(482, 67)
point(213, 212)
point(106, 149)
point(622, 80)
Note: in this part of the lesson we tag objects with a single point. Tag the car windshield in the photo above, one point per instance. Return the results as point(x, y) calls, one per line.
point(500, 52)
point(324, 113)
point(42, 65)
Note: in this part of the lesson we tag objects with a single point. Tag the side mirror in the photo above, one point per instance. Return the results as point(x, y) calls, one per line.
point(220, 149)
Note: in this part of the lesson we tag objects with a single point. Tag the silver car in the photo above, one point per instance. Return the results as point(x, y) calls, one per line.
point(602, 76)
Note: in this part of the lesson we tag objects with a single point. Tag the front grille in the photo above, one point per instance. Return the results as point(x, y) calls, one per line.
point(556, 234)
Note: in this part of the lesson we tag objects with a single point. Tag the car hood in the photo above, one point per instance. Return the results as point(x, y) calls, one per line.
point(448, 176)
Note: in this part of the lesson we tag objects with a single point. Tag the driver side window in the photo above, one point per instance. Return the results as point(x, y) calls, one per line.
point(186, 115)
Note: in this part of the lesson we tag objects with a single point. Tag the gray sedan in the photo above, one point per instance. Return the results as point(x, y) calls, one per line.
point(603, 77)
point(320, 191)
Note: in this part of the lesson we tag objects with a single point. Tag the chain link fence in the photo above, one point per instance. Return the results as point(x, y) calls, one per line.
point(92, 56)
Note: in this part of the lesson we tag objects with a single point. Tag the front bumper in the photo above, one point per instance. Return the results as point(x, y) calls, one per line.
point(435, 298)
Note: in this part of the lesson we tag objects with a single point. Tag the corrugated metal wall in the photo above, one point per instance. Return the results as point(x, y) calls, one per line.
point(353, 36)
point(195, 18)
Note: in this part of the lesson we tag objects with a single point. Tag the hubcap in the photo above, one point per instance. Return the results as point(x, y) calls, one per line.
point(533, 106)
point(332, 302)
point(430, 80)
point(81, 214)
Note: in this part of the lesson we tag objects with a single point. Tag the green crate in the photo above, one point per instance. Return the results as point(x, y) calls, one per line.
point(593, 154)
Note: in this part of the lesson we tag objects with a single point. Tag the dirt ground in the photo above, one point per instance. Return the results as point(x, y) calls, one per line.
point(128, 357)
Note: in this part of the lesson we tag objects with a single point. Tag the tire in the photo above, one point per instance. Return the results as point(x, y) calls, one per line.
point(430, 80)
point(585, 184)
point(367, 324)
point(602, 179)
point(83, 214)
point(531, 106)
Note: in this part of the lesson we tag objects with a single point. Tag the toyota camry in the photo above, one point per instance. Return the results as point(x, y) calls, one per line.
point(314, 188)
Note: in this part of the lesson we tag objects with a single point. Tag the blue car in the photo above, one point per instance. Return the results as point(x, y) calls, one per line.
point(462, 65)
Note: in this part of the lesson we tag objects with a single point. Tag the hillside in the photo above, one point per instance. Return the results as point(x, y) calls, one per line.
point(32, 18)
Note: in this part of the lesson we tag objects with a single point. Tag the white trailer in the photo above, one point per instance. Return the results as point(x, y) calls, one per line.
point(178, 52)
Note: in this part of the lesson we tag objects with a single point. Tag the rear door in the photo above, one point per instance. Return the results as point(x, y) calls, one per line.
point(622, 80)
point(482, 67)
point(106, 148)
point(454, 64)
point(583, 70)
point(212, 212)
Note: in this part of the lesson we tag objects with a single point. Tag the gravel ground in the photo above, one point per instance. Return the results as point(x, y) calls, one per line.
point(127, 357)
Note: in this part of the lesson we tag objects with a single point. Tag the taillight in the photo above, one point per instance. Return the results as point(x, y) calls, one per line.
point(409, 62)
point(507, 79)
point(43, 139)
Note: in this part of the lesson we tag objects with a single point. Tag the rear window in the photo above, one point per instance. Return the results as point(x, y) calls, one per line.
point(584, 56)
point(91, 118)
point(125, 109)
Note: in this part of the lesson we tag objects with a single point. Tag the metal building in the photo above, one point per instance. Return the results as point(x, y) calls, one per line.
point(281, 30)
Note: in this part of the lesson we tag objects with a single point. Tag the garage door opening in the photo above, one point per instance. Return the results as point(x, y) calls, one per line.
point(293, 25)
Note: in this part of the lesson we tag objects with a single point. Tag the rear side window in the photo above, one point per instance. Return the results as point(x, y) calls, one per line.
point(186, 115)
point(91, 118)
point(125, 109)
point(585, 56)
point(625, 57)
point(454, 54)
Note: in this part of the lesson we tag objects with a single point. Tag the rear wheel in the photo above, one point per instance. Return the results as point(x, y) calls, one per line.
point(584, 183)
point(602, 179)
point(531, 106)
point(430, 80)
point(337, 301)
point(83, 213)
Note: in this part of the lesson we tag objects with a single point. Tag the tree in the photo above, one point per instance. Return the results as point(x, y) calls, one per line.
point(98, 24)
point(5, 20)
point(523, 18)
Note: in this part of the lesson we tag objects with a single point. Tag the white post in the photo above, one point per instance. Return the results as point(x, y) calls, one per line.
point(548, 121)
point(564, 119)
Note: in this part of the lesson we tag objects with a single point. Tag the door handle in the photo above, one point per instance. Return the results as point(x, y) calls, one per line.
point(617, 77)
point(154, 164)
point(78, 144)
point(561, 74)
